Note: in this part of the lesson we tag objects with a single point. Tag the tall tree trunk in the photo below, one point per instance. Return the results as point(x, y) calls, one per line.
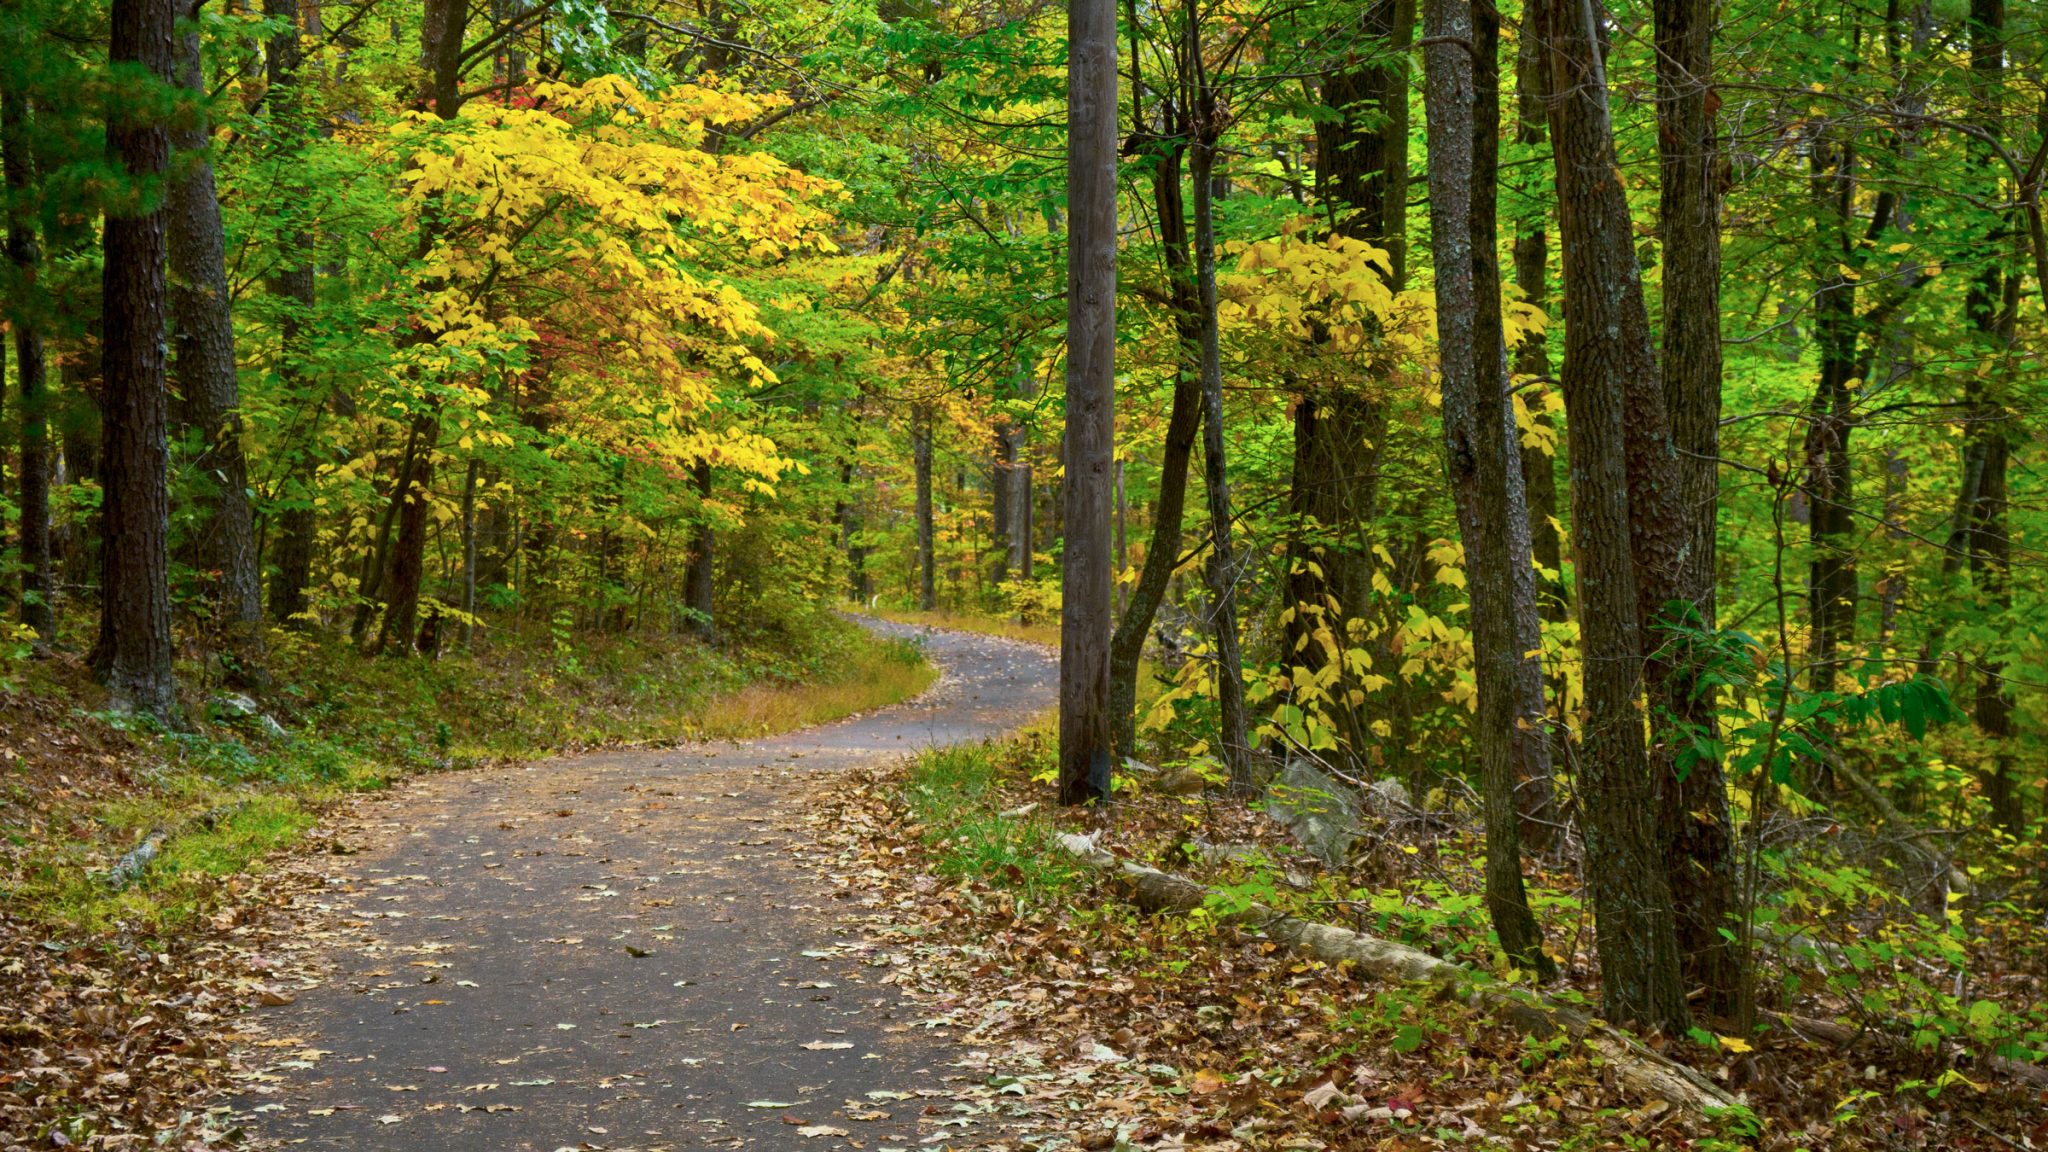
point(1086, 731)
point(204, 367)
point(1222, 567)
point(1607, 349)
point(1019, 490)
point(1993, 308)
point(24, 251)
point(439, 92)
point(1529, 758)
point(1480, 445)
point(469, 479)
point(1829, 491)
point(927, 550)
point(1339, 429)
point(1698, 857)
point(292, 558)
point(1532, 357)
point(133, 656)
point(698, 580)
point(1162, 555)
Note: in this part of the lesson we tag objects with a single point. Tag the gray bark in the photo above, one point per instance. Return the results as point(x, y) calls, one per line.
point(204, 365)
point(1086, 734)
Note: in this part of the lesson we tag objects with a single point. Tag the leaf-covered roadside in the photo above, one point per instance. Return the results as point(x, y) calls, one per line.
point(1176, 1032)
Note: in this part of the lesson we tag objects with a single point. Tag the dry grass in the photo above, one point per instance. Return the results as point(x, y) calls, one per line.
point(1046, 633)
point(881, 674)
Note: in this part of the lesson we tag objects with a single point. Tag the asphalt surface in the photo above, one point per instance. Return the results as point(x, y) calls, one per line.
point(619, 951)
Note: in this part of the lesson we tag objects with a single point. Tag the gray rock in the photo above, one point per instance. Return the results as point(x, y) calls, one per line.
point(1320, 811)
point(1388, 795)
point(232, 707)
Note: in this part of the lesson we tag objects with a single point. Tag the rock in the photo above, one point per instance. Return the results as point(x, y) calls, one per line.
point(1182, 782)
point(230, 706)
point(1388, 795)
point(1321, 812)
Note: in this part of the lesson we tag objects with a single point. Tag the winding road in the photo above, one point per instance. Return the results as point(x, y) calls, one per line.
point(618, 951)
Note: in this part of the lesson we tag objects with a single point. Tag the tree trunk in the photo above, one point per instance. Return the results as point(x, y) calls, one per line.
point(1532, 357)
point(1993, 308)
point(1162, 555)
point(697, 581)
point(24, 251)
point(204, 366)
point(1479, 444)
point(927, 551)
point(1339, 430)
point(1829, 491)
point(1698, 857)
point(133, 656)
point(1222, 567)
point(293, 555)
point(409, 553)
point(1529, 737)
point(1607, 347)
point(469, 478)
point(1021, 506)
point(1086, 731)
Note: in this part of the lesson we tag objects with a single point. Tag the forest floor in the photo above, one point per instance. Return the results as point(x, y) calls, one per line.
point(632, 949)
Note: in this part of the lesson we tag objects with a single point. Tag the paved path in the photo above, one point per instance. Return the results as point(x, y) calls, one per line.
point(615, 951)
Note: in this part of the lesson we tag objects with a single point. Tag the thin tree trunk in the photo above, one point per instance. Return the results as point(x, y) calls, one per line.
point(469, 479)
point(133, 656)
point(1361, 172)
point(409, 554)
point(1222, 568)
point(1478, 439)
point(1529, 736)
point(921, 462)
point(24, 251)
point(1162, 555)
point(293, 556)
point(1993, 308)
point(1532, 357)
point(698, 580)
point(1698, 856)
point(1607, 346)
point(204, 368)
point(1086, 731)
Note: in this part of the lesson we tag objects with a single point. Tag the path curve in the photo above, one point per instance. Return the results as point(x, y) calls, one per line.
point(616, 951)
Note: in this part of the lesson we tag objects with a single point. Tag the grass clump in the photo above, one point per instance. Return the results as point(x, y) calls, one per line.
point(955, 795)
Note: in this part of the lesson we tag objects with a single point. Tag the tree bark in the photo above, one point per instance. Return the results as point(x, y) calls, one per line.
point(1698, 856)
point(1339, 430)
point(133, 655)
point(1479, 444)
point(24, 251)
point(921, 462)
point(1222, 569)
point(1162, 555)
point(409, 552)
point(292, 558)
point(697, 581)
point(1532, 356)
point(1993, 308)
point(1607, 348)
point(1086, 732)
point(204, 367)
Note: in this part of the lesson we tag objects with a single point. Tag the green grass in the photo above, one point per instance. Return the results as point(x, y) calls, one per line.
point(955, 797)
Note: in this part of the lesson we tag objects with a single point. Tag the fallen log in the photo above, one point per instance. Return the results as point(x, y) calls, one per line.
point(1640, 1069)
point(1845, 1036)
